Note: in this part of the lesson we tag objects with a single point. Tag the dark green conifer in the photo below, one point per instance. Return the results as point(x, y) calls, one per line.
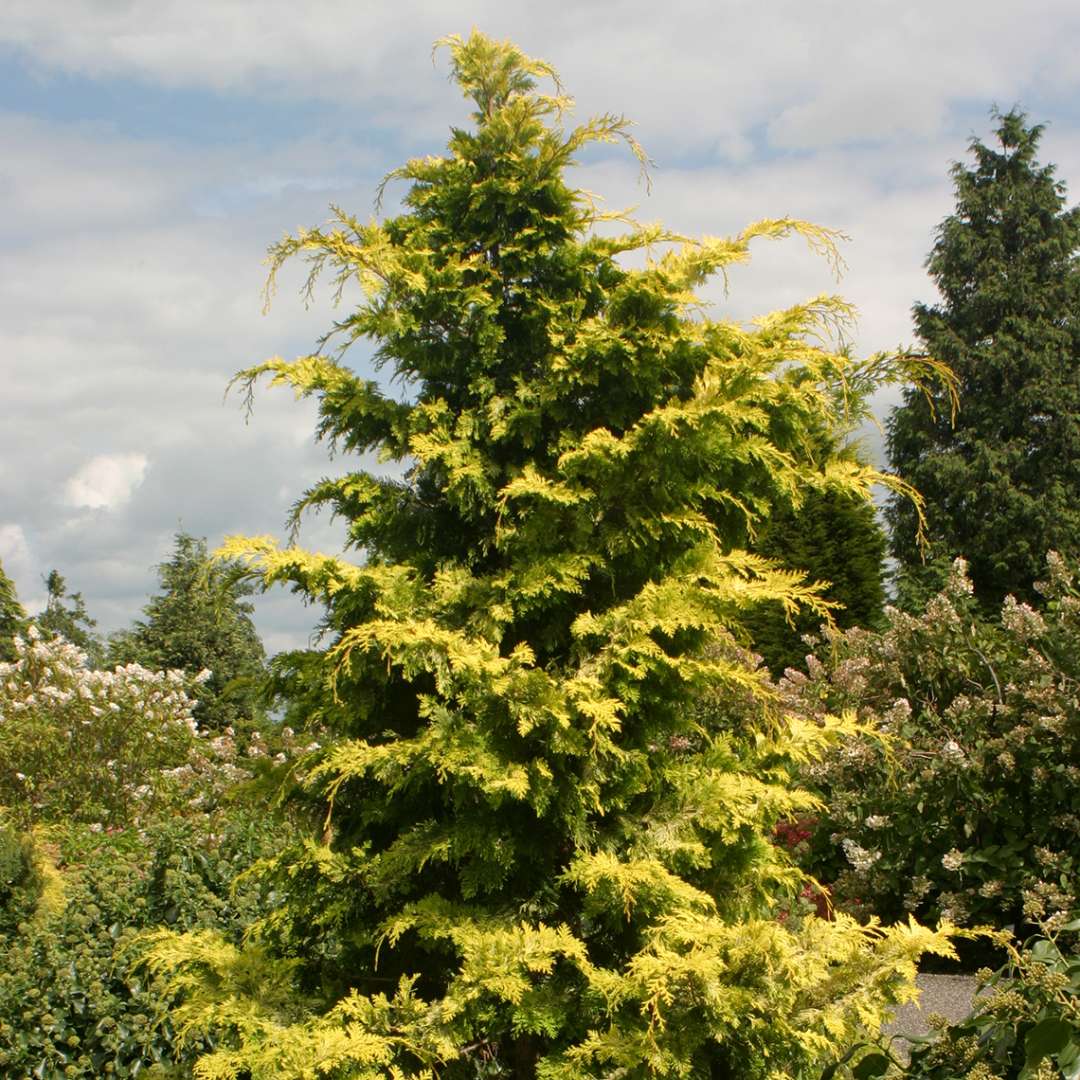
point(200, 621)
point(832, 538)
point(12, 616)
point(1002, 483)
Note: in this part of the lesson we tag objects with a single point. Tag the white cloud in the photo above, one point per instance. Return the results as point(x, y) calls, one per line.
point(106, 482)
point(122, 330)
point(14, 550)
point(692, 74)
point(95, 182)
point(130, 267)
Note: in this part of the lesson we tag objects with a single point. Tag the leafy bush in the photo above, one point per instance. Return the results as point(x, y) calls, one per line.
point(963, 798)
point(114, 748)
point(1026, 1028)
point(69, 1006)
point(129, 824)
point(20, 882)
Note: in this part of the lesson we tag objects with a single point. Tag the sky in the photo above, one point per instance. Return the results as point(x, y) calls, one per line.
point(151, 150)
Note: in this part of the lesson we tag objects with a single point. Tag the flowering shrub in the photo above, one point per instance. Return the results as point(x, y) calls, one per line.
point(963, 799)
point(88, 745)
point(115, 822)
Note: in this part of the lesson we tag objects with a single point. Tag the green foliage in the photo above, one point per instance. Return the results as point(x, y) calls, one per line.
point(1000, 484)
point(200, 622)
point(12, 616)
point(549, 778)
point(964, 801)
point(1026, 1027)
point(20, 882)
point(69, 1006)
point(831, 538)
point(65, 616)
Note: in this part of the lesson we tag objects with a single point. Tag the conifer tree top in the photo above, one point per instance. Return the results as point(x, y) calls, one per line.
point(200, 620)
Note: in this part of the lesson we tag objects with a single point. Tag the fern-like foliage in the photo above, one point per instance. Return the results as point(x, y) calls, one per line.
point(553, 776)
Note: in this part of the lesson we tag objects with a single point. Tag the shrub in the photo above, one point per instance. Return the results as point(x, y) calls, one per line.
point(69, 1006)
point(129, 822)
point(1026, 1027)
point(963, 798)
point(113, 748)
point(87, 745)
point(20, 881)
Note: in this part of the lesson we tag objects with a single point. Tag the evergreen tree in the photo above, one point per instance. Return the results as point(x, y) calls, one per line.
point(548, 780)
point(201, 621)
point(12, 616)
point(833, 538)
point(65, 616)
point(1002, 483)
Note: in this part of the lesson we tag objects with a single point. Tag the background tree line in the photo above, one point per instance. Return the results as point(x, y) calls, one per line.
point(199, 620)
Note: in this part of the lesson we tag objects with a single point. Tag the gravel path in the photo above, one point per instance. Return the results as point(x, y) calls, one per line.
point(950, 996)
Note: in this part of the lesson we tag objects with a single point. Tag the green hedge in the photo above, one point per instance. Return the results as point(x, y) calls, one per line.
point(69, 1004)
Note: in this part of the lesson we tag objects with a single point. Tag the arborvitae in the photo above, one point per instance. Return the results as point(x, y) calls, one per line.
point(201, 621)
point(835, 538)
point(548, 781)
point(12, 616)
point(1002, 483)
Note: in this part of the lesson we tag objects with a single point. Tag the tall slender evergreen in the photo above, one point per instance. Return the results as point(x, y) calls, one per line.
point(1002, 482)
point(548, 780)
point(65, 616)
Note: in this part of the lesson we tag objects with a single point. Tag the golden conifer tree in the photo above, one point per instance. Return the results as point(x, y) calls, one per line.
point(549, 792)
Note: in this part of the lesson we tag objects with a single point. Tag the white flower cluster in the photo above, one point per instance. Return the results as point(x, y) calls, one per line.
point(1021, 619)
point(919, 887)
point(898, 713)
point(73, 732)
point(954, 752)
point(858, 856)
point(952, 860)
point(959, 582)
point(53, 673)
point(1061, 578)
point(1053, 725)
point(941, 612)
